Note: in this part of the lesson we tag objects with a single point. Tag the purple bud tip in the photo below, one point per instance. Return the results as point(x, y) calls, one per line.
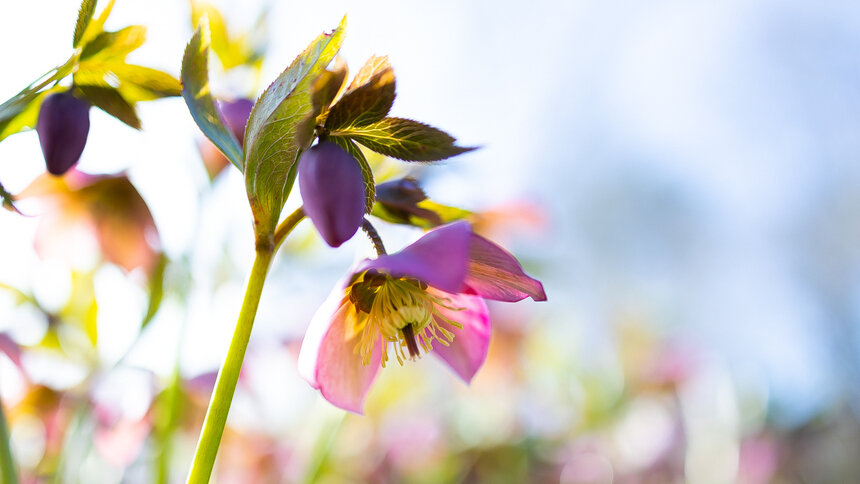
point(63, 125)
point(332, 189)
point(235, 115)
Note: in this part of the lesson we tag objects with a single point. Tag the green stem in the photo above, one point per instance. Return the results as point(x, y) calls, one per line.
point(225, 385)
point(7, 464)
point(287, 226)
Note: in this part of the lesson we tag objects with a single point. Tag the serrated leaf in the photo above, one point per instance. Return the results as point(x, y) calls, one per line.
point(366, 172)
point(365, 104)
point(114, 45)
point(276, 133)
point(198, 97)
point(111, 101)
point(373, 66)
point(96, 25)
point(404, 139)
point(85, 15)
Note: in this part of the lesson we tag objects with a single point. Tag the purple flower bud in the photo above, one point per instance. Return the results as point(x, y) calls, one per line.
point(332, 189)
point(63, 125)
point(235, 115)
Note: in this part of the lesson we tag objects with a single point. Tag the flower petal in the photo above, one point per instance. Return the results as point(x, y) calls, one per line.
point(467, 352)
point(328, 360)
point(496, 274)
point(439, 258)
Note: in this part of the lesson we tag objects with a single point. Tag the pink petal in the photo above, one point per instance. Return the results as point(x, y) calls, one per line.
point(467, 352)
point(496, 274)
point(438, 258)
point(328, 361)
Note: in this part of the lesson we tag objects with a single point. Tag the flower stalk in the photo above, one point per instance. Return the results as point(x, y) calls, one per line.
point(228, 376)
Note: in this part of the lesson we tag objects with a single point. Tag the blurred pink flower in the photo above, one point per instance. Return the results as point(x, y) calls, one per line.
point(431, 291)
point(106, 208)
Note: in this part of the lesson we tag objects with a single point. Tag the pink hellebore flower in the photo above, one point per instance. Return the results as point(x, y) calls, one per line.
point(426, 298)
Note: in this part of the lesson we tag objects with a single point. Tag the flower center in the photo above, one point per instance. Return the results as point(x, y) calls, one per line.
point(400, 312)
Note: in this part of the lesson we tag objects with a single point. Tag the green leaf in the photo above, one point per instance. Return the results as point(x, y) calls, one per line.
point(95, 26)
point(404, 139)
point(114, 45)
point(156, 290)
point(277, 131)
point(85, 15)
point(152, 83)
point(366, 172)
point(111, 101)
point(368, 102)
point(373, 66)
point(136, 83)
point(232, 51)
point(198, 97)
point(328, 85)
point(18, 113)
point(26, 113)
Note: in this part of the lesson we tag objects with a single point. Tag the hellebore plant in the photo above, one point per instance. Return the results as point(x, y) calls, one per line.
point(425, 298)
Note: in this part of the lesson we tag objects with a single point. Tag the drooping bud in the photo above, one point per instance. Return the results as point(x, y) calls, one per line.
point(63, 125)
point(235, 115)
point(332, 189)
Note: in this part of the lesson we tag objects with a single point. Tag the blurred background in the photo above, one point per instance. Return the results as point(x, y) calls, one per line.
point(682, 176)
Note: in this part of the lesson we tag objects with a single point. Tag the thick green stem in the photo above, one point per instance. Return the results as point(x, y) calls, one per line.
point(7, 465)
point(225, 385)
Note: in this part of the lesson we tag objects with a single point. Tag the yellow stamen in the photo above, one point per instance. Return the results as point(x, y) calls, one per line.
point(397, 311)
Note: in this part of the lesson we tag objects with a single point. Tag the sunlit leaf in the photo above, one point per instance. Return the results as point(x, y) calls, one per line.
point(366, 172)
point(20, 103)
point(96, 25)
point(146, 83)
point(198, 97)
point(274, 138)
point(85, 15)
point(404, 139)
point(328, 85)
point(114, 45)
point(25, 118)
point(373, 66)
point(232, 51)
point(365, 103)
point(135, 83)
point(111, 101)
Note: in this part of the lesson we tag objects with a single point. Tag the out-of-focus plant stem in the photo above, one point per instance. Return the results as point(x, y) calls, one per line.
point(7, 464)
point(228, 376)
